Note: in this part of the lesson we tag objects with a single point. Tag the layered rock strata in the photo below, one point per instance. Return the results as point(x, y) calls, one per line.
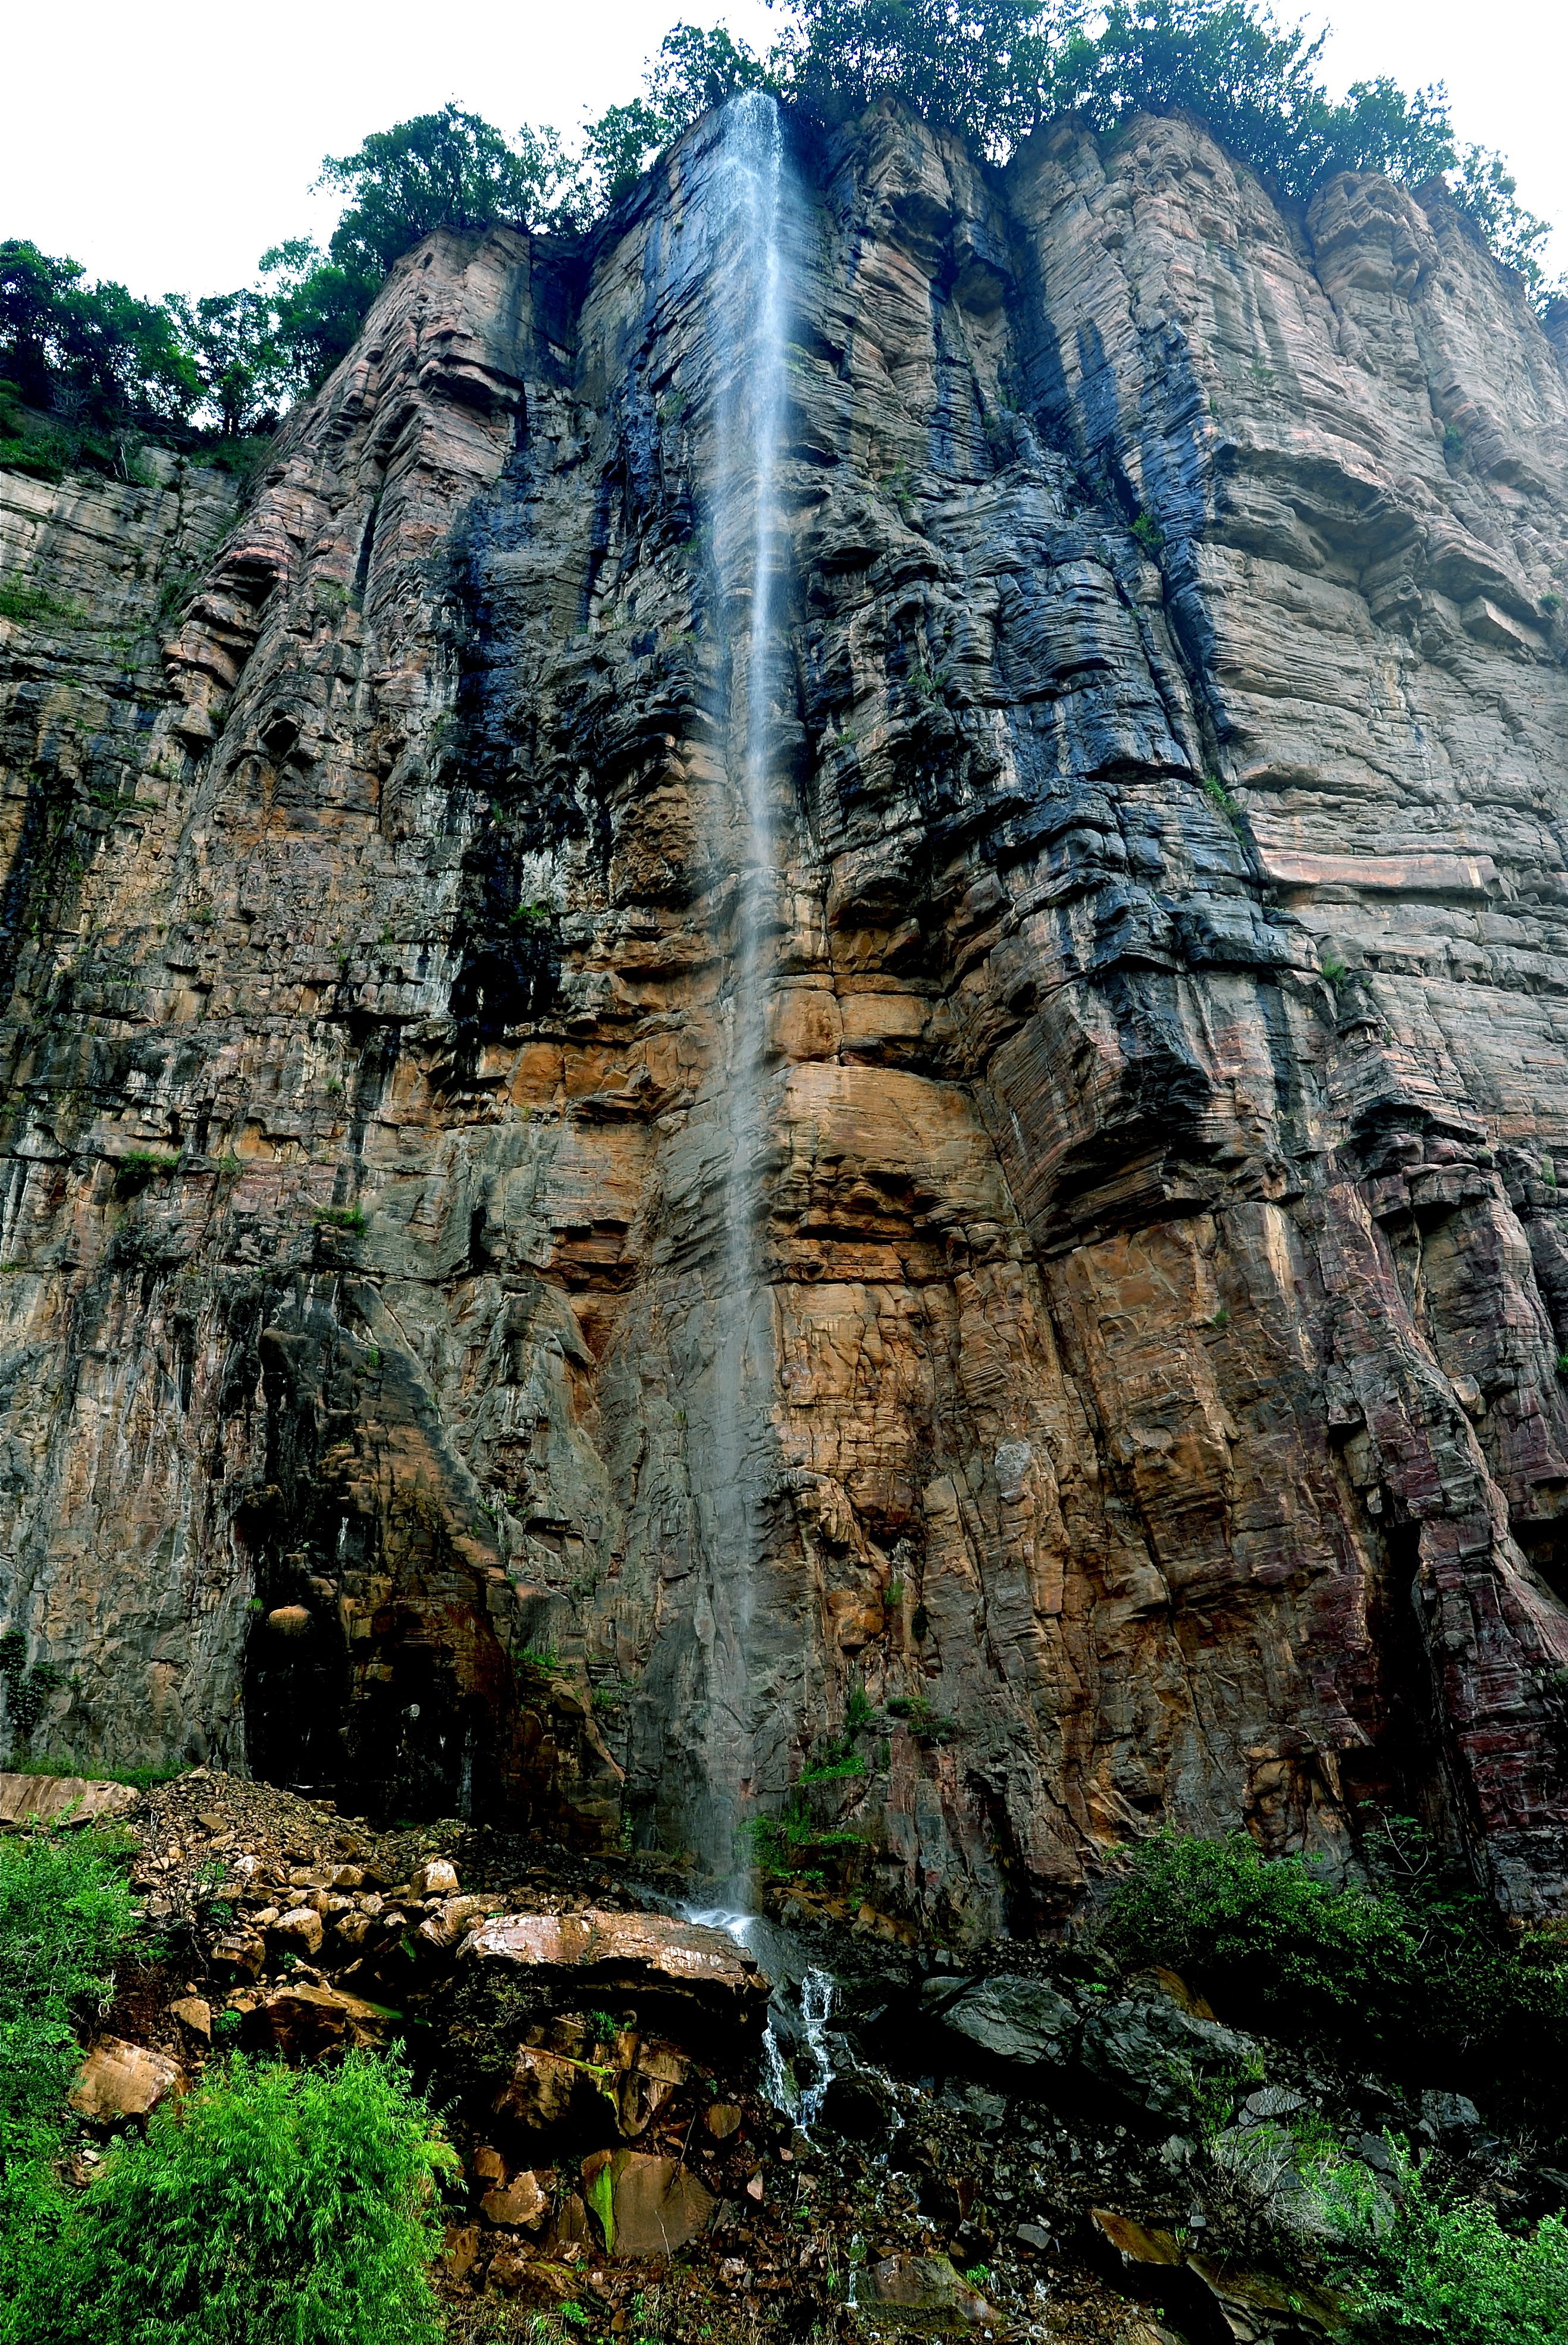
point(1156, 1276)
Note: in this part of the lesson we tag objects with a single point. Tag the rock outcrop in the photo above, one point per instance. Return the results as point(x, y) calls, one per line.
point(1157, 1272)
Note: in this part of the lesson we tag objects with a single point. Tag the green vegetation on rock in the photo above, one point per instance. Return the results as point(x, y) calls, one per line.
point(266, 2205)
point(1441, 2269)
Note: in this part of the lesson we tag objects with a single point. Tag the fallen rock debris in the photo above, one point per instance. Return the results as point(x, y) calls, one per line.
point(1016, 2154)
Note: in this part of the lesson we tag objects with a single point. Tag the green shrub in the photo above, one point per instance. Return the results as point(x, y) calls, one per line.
point(65, 1910)
point(271, 2207)
point(1442, 2271)
point(1414, 1973)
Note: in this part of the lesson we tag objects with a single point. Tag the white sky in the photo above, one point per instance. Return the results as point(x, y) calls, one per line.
point(167, 143)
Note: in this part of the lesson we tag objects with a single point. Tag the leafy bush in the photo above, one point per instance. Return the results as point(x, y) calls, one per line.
point(65, 1910)
point(1442, 2271)
point(1413, 1972)
point(271, 2207)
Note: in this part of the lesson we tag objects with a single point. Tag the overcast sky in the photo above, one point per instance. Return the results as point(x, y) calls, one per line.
point(167, 143)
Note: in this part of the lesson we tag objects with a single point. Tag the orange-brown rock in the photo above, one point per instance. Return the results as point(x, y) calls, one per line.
point(520, 2204)
point(299, 2023)
point(659, 1962)
point(644, 2205)
point(118, 2081)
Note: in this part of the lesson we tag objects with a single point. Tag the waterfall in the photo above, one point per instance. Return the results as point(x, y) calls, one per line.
point(795, 2066)
point(750, 187)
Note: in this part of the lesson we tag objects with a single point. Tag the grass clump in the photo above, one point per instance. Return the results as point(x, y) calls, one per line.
point(33, 606)
point(271, 2205)
point(61, 1763)
point(1219, 797)
point(139, 1167)
point(1411, 1972)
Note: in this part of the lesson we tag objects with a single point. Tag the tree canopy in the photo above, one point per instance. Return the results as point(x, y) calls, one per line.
point(93, 356)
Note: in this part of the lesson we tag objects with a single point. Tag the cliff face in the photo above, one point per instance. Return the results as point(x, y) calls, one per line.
point(1138, 1365)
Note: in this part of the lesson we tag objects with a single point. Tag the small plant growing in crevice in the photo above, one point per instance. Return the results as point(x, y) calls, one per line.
point(925, 1723)
point(350, 1218)
point(1148, 533)
point(27, 1690)
point(1219, 797)
point(31, 606)
point(1333, 970)
point(138, 1168)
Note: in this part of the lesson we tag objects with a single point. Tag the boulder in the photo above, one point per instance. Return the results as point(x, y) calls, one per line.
point(1450, 2116)
point(517, 2205)
point(242, 1954)
point(721, 2119)
point(1027, 2022)
point(298, 1932)
point(923, 2293)
point(460, 2249)
point(117, 2081)
point(439, 1932)
point(1154, 2053)
point(434, 1878)
point(194, 2011)
point(1133, 2245)
point(62, 1799)
point(681, 1970)
point(300, 2022)
point(543, 2087)
point(645, 2206)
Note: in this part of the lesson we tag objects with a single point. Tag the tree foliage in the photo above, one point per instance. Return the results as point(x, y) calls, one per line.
point(92, 357)
point(1410, 1971)
point(92, 352)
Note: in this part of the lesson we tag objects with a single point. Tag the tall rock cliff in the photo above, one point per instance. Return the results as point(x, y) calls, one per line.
point(1095, 1361)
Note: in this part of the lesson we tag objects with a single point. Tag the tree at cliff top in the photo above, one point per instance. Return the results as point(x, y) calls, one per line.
point(994, 69)
point(997, 70)
point(92, 352)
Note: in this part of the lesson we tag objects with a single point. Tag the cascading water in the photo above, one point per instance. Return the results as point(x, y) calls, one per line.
point(796, 2067)
point(748, 428)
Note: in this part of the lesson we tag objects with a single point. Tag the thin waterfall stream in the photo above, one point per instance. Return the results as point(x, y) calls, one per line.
point(748, 437)
point(796, 2065)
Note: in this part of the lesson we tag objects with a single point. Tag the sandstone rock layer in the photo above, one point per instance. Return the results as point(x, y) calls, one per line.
point(1155, 1275)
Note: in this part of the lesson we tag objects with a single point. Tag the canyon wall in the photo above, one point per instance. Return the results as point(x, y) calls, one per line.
point(1155, 1275)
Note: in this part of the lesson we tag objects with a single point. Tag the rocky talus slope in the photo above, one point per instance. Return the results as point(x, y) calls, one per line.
point(1027, 2151)
point(1158, 1276)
